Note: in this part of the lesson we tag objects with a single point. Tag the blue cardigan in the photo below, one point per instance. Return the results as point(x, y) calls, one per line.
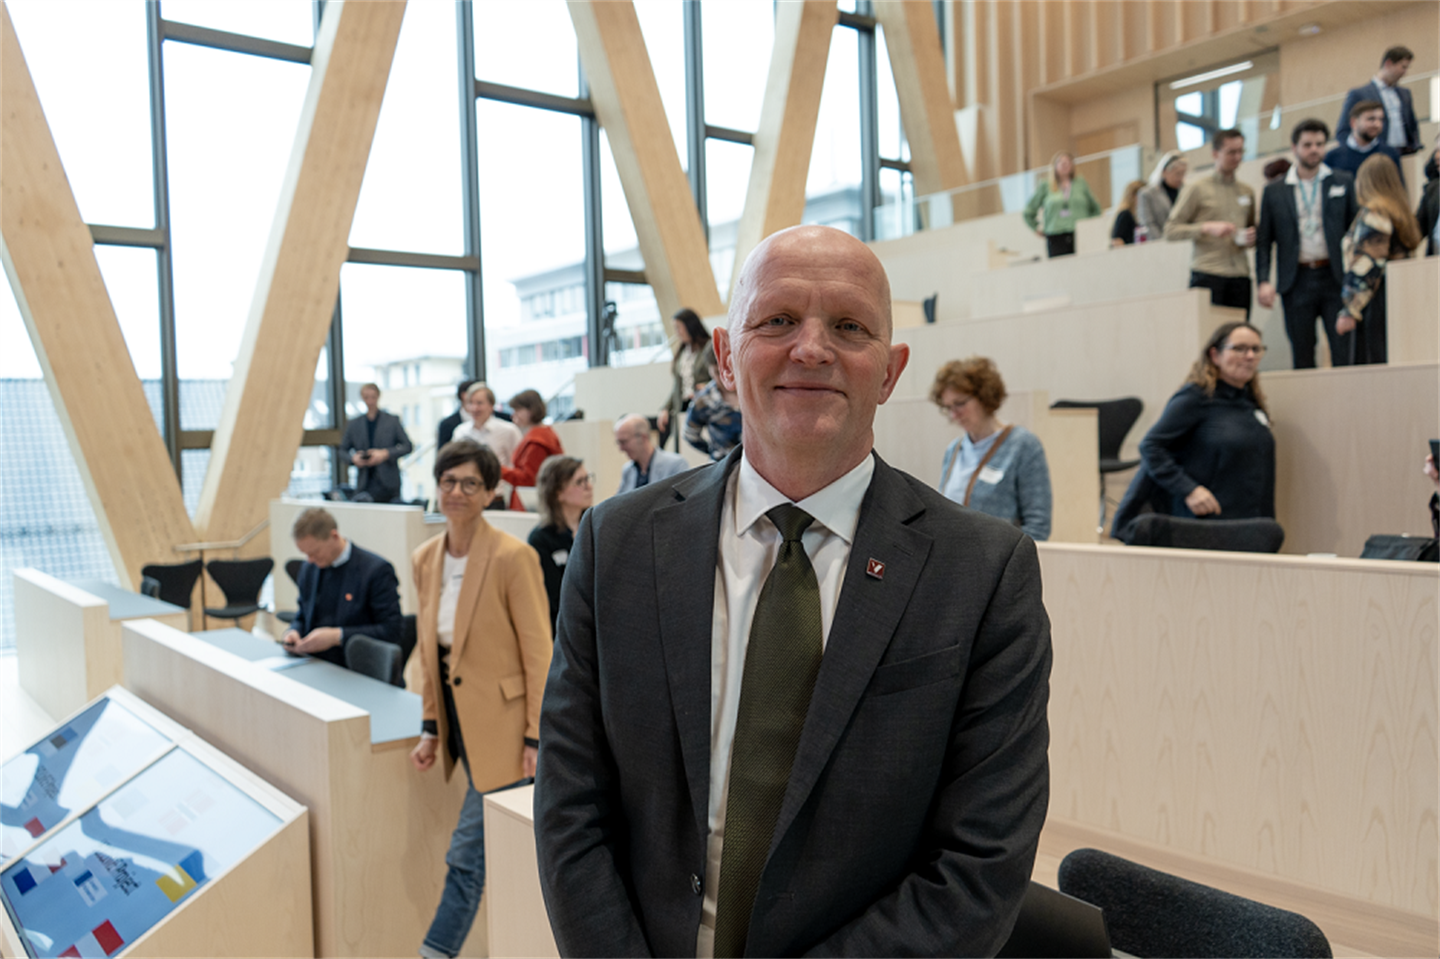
point(1022, 494)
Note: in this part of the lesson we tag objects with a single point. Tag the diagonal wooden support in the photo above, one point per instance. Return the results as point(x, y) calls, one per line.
point(49, 257)
point(918, 64)
point(261, 424)
point(775, 198)
point(627, 103)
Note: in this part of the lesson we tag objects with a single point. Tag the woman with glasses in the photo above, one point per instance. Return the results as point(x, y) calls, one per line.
point(995, 468)
point(1211, 452)
point(566, 492)
point(484, 644)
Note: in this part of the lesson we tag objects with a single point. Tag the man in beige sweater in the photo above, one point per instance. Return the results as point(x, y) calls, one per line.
point(1219, 213)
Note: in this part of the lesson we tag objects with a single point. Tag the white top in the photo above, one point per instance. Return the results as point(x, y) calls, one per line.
point(967, 461)
point(451, 578)
point(1394, 114)
point(1309, 201)
point(749, 543)
point(500, 436)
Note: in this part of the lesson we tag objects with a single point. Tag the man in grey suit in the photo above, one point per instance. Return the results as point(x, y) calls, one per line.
point(797, 702)
point(375, 442)
point(647, 463)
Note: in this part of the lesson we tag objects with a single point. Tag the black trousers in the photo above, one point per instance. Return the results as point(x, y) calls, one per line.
point(1315, 293)
point(1370, 343)
point(1225, 290)
point(1060, 244)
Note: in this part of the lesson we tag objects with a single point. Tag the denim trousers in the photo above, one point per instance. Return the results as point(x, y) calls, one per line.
point(464, 875)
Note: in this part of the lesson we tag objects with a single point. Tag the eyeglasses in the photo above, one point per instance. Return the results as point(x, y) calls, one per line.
point(1247, 348)
point(469, 485)
point(950, 409)
point(585, 481)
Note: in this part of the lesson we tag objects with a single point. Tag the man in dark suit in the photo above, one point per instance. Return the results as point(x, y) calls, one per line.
point(345, 591)
point(1401, 130)
point(447, 426)
point(1304, 218)
point(375, 442)
point(798, 698)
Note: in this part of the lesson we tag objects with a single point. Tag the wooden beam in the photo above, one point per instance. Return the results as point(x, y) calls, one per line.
point(262, 420)
point(49, 257)
point(627, 103)
point(926, 111)
point(775, 198)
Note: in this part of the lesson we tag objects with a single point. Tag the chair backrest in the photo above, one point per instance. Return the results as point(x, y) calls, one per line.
point(177, 580)
point(374, 658)
point(240, 579)
point(408, 636)
point(1236, 535)
point(928, 305)
point(150, 586)
point(1114, 419)
point(1052, 925)
point(292, 569)
point(1152, 913)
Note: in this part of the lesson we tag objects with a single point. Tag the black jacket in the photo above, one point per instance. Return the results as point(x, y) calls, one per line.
point(369, 602)
point(1280, 227)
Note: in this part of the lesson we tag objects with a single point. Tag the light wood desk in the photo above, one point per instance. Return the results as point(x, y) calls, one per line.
point(67, 636)
point(336, 741)
point(1262, 723)
point(518, 922)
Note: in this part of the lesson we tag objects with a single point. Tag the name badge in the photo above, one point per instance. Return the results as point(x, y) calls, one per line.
point(991, 475)
point(560, 556)
point(1064, 212)
point(1264, 420)
point(1337, 191)
point(1243, 200)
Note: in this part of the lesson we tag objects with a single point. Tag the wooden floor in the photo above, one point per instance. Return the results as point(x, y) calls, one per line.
point(22, 722)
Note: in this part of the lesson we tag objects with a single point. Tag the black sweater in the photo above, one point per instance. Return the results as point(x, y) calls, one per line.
point(1222, 442)
point(552, 543)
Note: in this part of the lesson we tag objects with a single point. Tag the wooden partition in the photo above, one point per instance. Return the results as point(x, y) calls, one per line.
point(1264, 722)
point(1413, 309)
point(1141, 346)
point(911, 435)
point(518, 922)
point(389, 531)
point(1349, 444)
point(67, 636)
point(379, 830)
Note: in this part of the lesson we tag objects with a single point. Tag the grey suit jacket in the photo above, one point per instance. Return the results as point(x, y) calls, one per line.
point(383, 481)
point(663, 465)
point(920, 782)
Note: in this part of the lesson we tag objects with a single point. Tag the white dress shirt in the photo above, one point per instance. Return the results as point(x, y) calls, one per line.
point(501, 437)
point(749, 543)
point(1394, 114)
point(1310, 212)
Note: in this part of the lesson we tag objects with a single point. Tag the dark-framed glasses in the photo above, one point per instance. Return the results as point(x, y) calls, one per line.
point(469, 485)
point(1246, 348)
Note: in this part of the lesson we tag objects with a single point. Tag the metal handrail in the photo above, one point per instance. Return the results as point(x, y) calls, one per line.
point(231, 544)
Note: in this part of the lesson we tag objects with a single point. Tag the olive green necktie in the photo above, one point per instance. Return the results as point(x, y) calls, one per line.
point(781, 663)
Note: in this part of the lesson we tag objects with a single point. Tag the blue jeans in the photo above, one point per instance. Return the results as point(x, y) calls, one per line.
point(464, 876)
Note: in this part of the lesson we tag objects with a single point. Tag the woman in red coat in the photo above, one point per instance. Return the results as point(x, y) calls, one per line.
point(537, 443)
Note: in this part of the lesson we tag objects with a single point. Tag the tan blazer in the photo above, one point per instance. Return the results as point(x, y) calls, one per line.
point(500, 655)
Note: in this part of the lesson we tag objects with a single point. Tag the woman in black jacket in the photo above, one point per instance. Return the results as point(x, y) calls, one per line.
point(565, 493)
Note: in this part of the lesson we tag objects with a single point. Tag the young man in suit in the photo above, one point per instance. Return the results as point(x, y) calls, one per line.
point(798, 698)
point(1367, 120)
point(374, 442)
point(345, 591)
point(1304, 218)
point(1400, 130)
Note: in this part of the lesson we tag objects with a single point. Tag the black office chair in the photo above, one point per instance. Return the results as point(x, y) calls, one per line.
point(375, 658)
point(407, 639)
point(1235, 535)
point(1115, 418)
point(150, 586)
point(240, 580)
point(928, 305)
point(1152, 913)
point(1052, 925)
point(292, 569)
point(176, 581)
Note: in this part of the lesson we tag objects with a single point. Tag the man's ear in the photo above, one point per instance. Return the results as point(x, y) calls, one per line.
point(720, 339)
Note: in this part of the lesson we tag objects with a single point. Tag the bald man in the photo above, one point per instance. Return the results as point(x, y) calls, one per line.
point(647, 463)
point(797, 702)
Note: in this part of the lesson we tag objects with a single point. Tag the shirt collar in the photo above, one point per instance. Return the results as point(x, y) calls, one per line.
point(1292, 178)
point(344, 556)
point(1380, 83)
point(1354, 144)
point(836, 507)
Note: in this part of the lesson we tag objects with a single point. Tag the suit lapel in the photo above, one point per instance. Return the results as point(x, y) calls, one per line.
point(868, 612)
point(476, 566)
point(684, 536)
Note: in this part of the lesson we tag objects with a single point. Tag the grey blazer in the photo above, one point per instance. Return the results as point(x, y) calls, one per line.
point(920, 782)
point(1152, 209)
point(381, 482)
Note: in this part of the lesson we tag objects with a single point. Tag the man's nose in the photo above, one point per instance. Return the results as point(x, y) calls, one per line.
point(812, 342)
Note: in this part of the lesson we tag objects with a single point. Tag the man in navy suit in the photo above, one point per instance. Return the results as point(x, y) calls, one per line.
point(903, 814)
point(1304, 218)
point(1401, 131)
point(345, 591)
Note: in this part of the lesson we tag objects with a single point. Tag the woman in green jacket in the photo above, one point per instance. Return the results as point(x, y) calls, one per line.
point(1061, 200)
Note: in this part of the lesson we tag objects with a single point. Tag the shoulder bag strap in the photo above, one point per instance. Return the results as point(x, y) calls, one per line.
point(988, 453)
